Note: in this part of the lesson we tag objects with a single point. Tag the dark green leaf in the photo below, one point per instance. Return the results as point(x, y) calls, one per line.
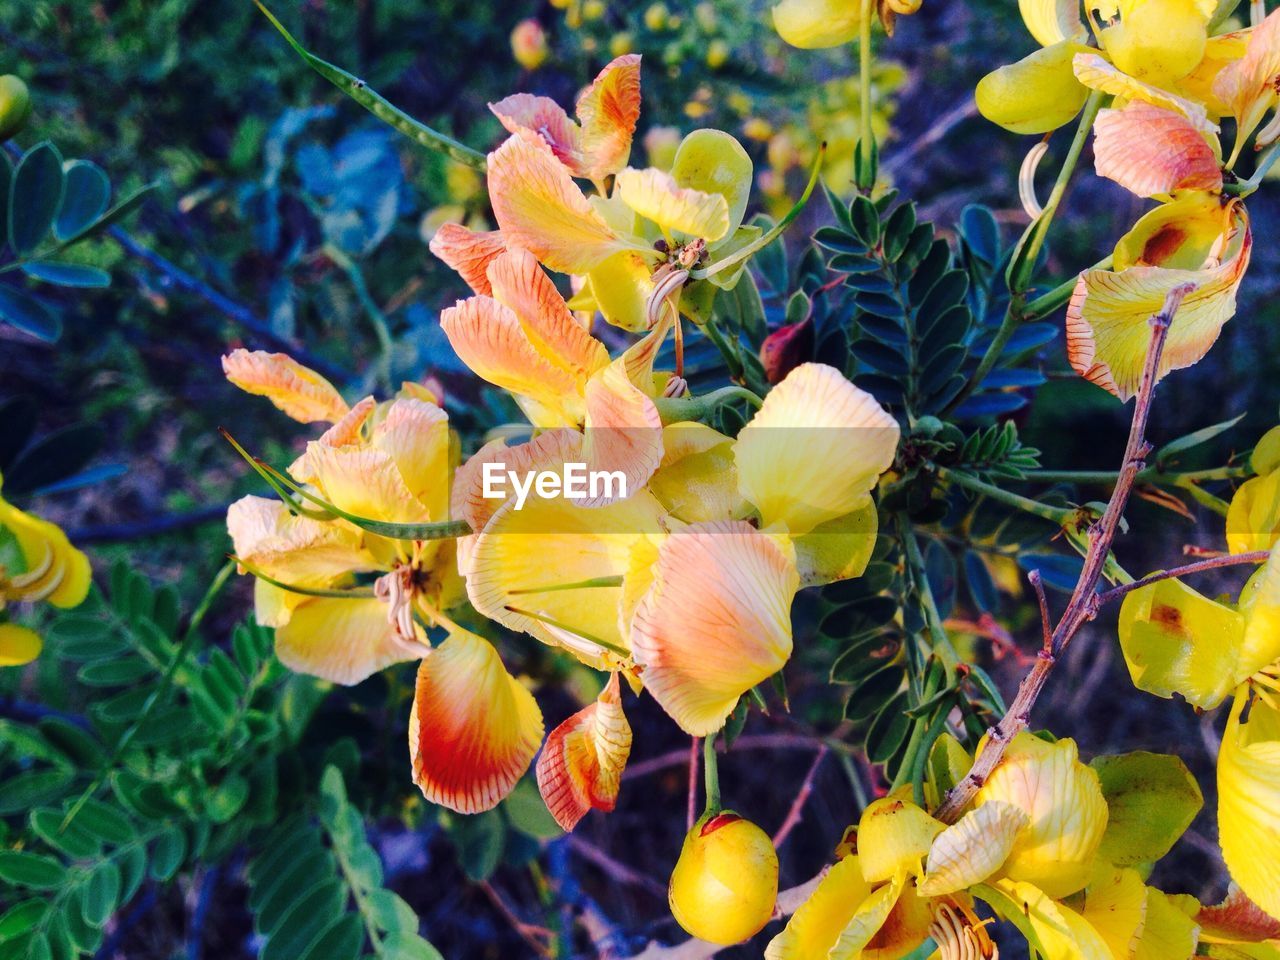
point(31, 870)
point(1166, 454)
point(35, 197)
point(168, 853)
point(888, 730)
point(54, 456)
point(21, 917)
point(85, 197)
point(31, 788)
point(20, 309)
point(66, 274)
point(305, 921)
point(866, 220)
point(479, 840)
point(102, 894)
point(870, 696)
point(341, 940)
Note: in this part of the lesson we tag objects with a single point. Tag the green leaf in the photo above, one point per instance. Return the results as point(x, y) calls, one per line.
point(528, 814)
point(409, 947)
point(20, 309)
point(34, 197)
point(305, 921)
point(1152, 798)
point(866, 220)
point(85, 197)
point(380, 107)
point(66, 274)
point(31, 870)
point(117, 213)
point(105, 822)
point(343, 939)
point(479, 841)
point(225, 802)
point(31, 788)
point(168, 853)
point(74, 841)
point(21, 917)
point(1166, 454)
point(888, 731)
point(102, 894)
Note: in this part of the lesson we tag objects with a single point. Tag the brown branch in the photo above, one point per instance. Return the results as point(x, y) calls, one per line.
point(758, 741)
point(1046, 625)
point(616, 869)
point(535, 936)
point(802, 797)
point(1256, 556)
point(1083, 605)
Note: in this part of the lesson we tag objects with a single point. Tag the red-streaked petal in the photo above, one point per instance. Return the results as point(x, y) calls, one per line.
point(546, 118)
point(715, 622)
point(1149, 150)
point(623, 432)
point(469, 252)
point(608, 111)
point(296, 390)
point(473, 729)
point(581, 764)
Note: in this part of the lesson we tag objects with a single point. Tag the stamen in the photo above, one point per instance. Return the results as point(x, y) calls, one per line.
point(567, 635)
point(956, 938)
point(395, 589)
point(1027, 179)
point(676, 387)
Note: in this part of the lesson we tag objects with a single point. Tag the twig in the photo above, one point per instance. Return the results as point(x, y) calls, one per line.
point(1046, 624)
point(530, 933)
point(802, 797)
point(616, 869)
point(1256, 556)
point(1083, 604)
point(760, 741)
point(693, 783)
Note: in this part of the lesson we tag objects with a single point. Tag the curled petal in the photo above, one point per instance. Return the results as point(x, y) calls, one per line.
point(540, 208)
point(1095, 72)
point(972, 849)
point(1249, 800)
point(1169, 928)
point(18, 645)
point(814, 450)
point(296, 390)
point(473, 729)
point(715, 622)
point(654, 195)
point(608, 110)
point(1237, 918)
point(1247, 86)
point(415, 434)
point(581, 764)
point(1036, 94)
point(1052, 21)
point(1064, 934)
point(697, 479)
point(548, 449)
point(350, 429)
point(295, 549)
point(894, 837)
point(469, 252)
point(359, 480)
point(1260, 603)
point(1149, 151)
point(623, 433)
point(546, 118)
point(342, 640)
point(55, 571)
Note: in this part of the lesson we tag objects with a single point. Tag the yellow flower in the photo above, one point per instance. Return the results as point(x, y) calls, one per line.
point(1158, 41)
point(1253, 517)
point(725, 883)
point(815, 24)
point(1249, 797)
point(18, 645)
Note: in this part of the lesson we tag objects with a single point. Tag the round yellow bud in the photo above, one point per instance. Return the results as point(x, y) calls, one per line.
point(655, 17)
point(621, 44)
point(717, 54)
point(1157, 41)
point(725, 883)
point(815, 24)
point(529, 44)
point(1037, 94)
point(757, 128)
point(15, 105)
point(593, 9)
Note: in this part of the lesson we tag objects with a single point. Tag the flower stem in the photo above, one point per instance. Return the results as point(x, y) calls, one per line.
point(711, 775)
point(866, 178)
point(1058, 515)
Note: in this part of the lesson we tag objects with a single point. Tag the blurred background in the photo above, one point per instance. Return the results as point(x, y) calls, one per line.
point(287, 218)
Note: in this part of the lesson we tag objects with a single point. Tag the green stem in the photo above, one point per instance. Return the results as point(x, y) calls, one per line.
point(677, 409)
point(381, 329)
point(1152, 474)
point(866, 144)
point(711, 776)
point(1059, 515)
point(1047, 303)
point(939, 640)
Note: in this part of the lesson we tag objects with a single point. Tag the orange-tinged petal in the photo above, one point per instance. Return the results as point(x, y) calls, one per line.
point(473, 729)
point(546, 118)
point(540, 208)
point(623, 433)
point(294, 549)
point(350, 429)
point(415, 434)
point(581, 764)
point(655, 195)
point(18, 645)
point(489, 338)
point(1108, 329)
point(1219, 53)
point(1247, 86)
point(342, 640)
point(814, 450)
point(361, 481)
point(715, 622)
point(298, 391)
point(1150, 151)
point(549, 449)
point(608, 110)
point(1237, 918)
point(521, 285)
point(1095, 72)
point(469, 252)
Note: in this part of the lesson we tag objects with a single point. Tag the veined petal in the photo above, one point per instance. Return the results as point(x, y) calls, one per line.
point(342, 640)
point(546, 118)
point(521, 285)
point(1168, 930)
point(473, 729)
point(1237, 919)
point(296, 390)
point(415, 434)
point(1051, 21)
point(835, 904)
point(697, 480)
point(359, 480)
point(1247, 86)
point(1151, 151)
point(1064, 934)
point(1108, 330)
point(622, 435)
point(817, 24)
point(608, 110)
point(1115, 905)
point(581, 764)
point(18, 645)
point(1095, 72)
point(814, 450)
point(1176, 640)
point(1253, 516)
point(540, 208)
point(469, 252)
point(973, 848)
point(550, 448)
point(294, 549)
point(654, 195)
point(715, 622)
point(350, 429)
point(1064, 801)
point(1249, 800)
point(489, 338)
point(894, 838)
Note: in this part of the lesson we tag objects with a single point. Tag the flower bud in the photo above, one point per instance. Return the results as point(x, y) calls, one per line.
point(785, 349)
point(529, 44)
point(725, 883)
point(1157, 41)
point(717, 54)
point(15, 105)
point(1037, 94)
point(815, 24)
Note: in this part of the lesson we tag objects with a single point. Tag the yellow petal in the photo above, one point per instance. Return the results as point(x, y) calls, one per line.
point(350, 429)
point(697, 480)
point(655, 196)
point(814, 450)
point(359, 480)
point(1253, 516)
point(580, 768)
point(622, 435)
point(299, 392)
point(1157, 41)
point(1175, 640)
point(620, 288)
point(469, 252)
point(1201, 84)
point(1052, 21)
point(1152, 151)
point(715, 622)
point(816, 24)
point(549, 449)
point(1064, 934)
point(1067, 810)
point(1108, 329)
point(294, 549)
point(973, 848)
point(1249, 801)
point(814, 929)
point(1247, 86)
point(712, 161)
point(894, 837)
point(18, 645)
point(415, 434)
point(1167, 930)
point(64, 574)
point(540, 208)
point(342, 640)
point(1260, 603)
point(608, 110)
point(1115, 905)
point(839, 549)
point(1095, 72)
point(473, 729)
point(1036, 94)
